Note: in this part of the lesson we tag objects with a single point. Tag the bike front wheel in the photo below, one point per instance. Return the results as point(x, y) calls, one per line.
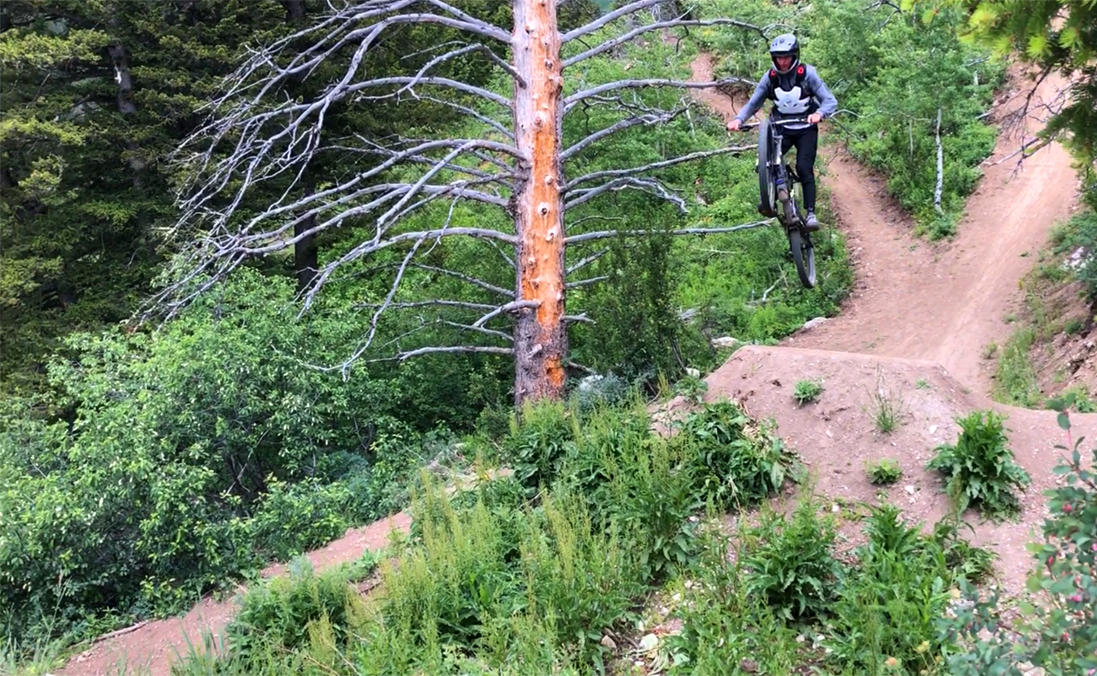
point(803, 255)
point(767, 154)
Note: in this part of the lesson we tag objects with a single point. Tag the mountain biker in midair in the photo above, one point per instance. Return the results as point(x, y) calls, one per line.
point(796, 91)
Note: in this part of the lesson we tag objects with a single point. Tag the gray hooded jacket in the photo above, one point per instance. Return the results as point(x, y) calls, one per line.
point(790, 99)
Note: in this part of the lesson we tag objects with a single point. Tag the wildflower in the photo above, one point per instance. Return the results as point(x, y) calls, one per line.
point(891, 663)
point(954, 593)
point(922, 647)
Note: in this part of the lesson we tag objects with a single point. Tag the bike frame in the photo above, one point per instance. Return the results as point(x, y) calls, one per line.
point(777, 183)
point(783, 177)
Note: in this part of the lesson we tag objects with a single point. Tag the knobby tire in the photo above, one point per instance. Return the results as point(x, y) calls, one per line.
point(767, 191)
point(803, 254)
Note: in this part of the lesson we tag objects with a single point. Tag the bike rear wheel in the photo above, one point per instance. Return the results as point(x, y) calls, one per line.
point(803, 255)
point(767, 190)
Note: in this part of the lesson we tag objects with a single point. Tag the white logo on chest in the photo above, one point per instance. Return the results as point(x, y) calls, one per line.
point(791, 101)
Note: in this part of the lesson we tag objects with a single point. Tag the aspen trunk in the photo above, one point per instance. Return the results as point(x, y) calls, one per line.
point(540, 337)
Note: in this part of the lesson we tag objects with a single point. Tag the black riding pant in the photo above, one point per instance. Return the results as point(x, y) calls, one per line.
point(806, 142)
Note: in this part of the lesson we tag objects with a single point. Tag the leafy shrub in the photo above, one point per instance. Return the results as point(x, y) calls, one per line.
point(885, 607)
point(1080, 232)
point(279, 614)
point(790, 563)
point(884, 472)
point(293, 518)
point(157, 449)
point(742, 461)
point(807, 391)
point(979, 468)
point(537, 443)
point(1057, 631)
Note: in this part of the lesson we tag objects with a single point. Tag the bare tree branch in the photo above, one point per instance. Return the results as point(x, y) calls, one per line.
point(620, 125)
point(603, 234)
point(587, 261)
point(402, 356)
point(479, 329)
point(657, 26)
point(498, 290)
point(608, 18)
point(626, 182)
point(588, 281)
point(575, 98)
point(597, 175)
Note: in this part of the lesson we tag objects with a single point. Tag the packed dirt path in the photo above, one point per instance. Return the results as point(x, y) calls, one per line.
point(150, 648)
point(912, 335)
point(940, 302)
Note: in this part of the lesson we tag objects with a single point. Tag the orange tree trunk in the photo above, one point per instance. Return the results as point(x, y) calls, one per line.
point(540, 338)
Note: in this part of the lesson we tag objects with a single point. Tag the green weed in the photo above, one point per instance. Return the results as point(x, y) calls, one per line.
point(807, 391)
point(979, 468)
point(883, 472)
point(1015, 378)
point(790, 561)
point(886, 407)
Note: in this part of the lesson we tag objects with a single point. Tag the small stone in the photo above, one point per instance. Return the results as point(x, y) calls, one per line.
point(933, 429)
point(649, 642)
point(909, 489)
point(608, 643)
point(725, 341)
point(693, 373)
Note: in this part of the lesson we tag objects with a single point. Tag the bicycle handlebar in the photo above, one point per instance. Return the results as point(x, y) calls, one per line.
point(795, 120)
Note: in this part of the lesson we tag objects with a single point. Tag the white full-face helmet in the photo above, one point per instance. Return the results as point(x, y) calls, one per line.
point(785, 45)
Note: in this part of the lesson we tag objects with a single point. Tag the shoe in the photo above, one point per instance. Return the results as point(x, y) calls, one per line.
point(811, 224)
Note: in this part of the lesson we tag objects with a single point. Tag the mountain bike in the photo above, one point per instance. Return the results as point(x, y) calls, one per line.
point(777, 183)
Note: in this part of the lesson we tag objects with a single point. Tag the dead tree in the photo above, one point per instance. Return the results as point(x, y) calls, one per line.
point(516, 165)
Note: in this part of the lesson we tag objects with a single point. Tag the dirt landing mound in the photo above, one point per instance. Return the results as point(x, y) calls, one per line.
point(837, 434)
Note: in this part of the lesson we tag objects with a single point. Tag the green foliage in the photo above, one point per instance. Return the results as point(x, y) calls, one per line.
point(1057, 630)
point(886, 407)
point(166, 463)
point(741, 460)
point(1015, 377)
point(1056, 35)
point(883, 472)
point(691, 388)
point(280, 614)
point(807, 391)
point(724, 625)
point(885, 608)
point(979, 468)
point(537, 443)
point(637, 333)
point(1080, 232)
point(791, 564)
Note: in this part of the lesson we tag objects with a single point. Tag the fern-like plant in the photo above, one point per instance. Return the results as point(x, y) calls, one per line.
point(980, 468)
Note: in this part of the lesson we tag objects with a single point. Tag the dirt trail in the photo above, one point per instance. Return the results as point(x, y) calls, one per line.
point(913, 334)
point(940, 304)
point(151, 648)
